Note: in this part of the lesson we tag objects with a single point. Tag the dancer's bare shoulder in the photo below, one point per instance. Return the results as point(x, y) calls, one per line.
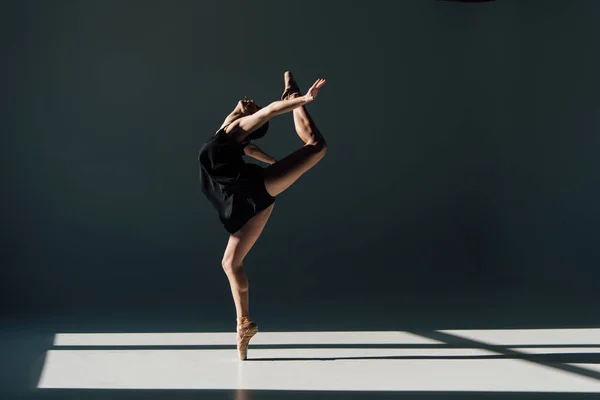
point(233, 129)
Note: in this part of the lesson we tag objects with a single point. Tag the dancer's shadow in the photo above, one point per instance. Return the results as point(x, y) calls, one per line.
point(557, 360)
point(569, 358)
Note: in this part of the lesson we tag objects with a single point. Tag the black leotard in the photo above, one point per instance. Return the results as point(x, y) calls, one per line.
point(235, 188)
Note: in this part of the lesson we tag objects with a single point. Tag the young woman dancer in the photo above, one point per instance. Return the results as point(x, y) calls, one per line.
point(244, 193)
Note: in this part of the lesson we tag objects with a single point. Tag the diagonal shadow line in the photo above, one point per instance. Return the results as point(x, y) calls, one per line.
point(367, 358)
point(457, 340)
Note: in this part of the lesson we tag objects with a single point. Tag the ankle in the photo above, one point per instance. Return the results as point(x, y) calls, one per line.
point(289, 96)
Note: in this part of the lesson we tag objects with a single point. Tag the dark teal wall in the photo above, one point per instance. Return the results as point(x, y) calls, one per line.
point(463, 147)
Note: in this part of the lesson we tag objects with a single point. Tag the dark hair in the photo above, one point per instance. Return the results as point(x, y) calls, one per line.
point(260, 132)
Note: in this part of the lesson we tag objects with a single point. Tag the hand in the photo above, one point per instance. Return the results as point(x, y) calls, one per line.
point(314, 90)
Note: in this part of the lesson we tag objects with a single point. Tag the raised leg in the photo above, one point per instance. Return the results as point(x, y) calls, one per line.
point(303, 122)
point(282, 174)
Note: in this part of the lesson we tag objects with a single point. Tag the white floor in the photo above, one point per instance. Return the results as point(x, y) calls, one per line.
point(326, 369)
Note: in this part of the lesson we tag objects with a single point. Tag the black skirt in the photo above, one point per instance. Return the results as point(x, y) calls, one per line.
point(235, 189)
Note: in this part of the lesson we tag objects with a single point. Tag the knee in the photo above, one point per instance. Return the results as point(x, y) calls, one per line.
point(319, 145)
point(231, 266)
point(236, 275)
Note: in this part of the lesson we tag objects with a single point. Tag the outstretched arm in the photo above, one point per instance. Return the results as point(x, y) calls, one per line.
point(250, 123)
point(257, 153)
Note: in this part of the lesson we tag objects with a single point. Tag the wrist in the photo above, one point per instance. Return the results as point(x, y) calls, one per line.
point(308, 98)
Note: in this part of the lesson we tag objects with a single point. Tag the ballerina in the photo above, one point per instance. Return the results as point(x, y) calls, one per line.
point(244, 193)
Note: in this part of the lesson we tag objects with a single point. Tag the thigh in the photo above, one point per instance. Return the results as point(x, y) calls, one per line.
point(241, 242)
point(282, 174)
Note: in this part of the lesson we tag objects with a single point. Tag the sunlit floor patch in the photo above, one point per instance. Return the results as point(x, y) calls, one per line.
point(227, 338)
point(511, 337)
point(431, 368)
point(558, 350)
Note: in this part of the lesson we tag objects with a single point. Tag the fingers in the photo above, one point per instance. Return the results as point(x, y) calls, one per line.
point(318, 83)
point(314, 89)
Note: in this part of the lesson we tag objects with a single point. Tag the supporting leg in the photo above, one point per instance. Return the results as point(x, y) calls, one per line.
point(238, 247)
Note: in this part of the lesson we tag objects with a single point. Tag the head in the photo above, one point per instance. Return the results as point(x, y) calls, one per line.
point(248, 107)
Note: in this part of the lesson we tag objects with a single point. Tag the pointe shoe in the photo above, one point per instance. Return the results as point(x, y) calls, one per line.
point(291, 87)
point(246, 329)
